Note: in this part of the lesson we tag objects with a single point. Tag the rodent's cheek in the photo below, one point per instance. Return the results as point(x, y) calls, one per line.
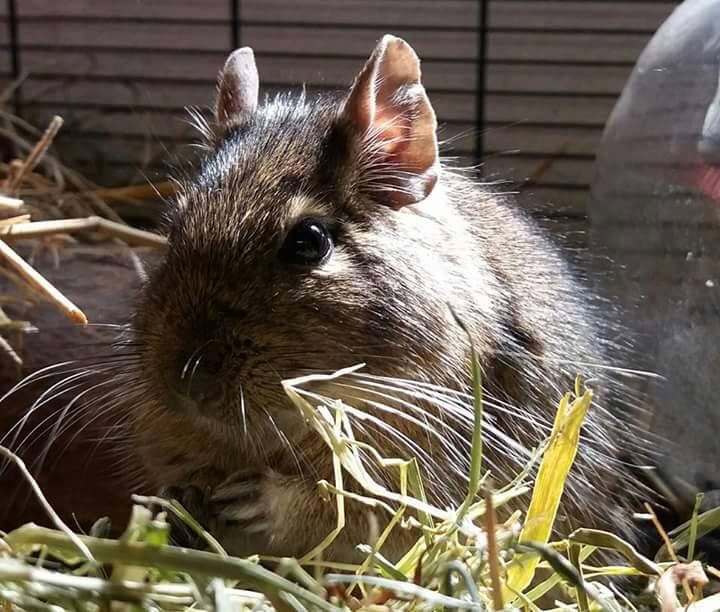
point(338, 264)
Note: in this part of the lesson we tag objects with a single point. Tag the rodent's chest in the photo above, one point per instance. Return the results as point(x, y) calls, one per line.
point(204, 452)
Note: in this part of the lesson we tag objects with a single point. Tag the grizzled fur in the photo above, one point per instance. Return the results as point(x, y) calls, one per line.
point(382, 299)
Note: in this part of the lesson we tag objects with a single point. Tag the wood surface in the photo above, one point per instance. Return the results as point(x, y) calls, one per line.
point(81, 477)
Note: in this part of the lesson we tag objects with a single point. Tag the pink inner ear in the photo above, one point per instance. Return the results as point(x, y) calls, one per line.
point(392, 131)
point(406, 130)
point(389, 107)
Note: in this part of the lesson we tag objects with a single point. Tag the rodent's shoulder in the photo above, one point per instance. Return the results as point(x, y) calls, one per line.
point(63, 365)
point(519, 248)
point(545, 298)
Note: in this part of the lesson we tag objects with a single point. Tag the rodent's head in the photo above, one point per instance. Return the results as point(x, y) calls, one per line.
point(308, 242)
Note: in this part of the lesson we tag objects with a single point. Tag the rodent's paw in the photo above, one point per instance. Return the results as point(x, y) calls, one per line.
point(195, 501)
point(240, 503)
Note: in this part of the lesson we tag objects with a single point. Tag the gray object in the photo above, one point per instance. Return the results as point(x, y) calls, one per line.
point(656, 216)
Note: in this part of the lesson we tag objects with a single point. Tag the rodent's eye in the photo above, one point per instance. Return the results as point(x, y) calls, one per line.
point(309, 242)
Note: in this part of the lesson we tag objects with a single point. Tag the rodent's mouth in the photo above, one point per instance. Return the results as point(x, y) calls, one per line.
point(242, 411)
point(175, 438)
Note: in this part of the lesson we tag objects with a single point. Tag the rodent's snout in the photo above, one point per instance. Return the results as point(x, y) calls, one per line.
point(194, 378)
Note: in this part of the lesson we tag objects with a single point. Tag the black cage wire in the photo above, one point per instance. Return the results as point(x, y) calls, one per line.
point(14, 47)
point(522, 87)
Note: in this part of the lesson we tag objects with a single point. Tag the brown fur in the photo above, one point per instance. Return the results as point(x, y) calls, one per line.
point(383, 299)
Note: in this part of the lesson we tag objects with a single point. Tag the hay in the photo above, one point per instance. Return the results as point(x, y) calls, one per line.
point(463, 558)
point(44, 204)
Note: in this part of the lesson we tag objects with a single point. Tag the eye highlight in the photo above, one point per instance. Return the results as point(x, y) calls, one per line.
point(309, 242)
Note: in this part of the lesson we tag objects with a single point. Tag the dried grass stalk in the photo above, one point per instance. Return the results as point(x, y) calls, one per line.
point(122, 231)
point(43, 200)
point(38, 282)
point(36, 154)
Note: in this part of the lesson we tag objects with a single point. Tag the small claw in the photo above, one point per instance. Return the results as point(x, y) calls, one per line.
point(236, 491)
point(250, 517)
point(238, 501)
point(247, 475)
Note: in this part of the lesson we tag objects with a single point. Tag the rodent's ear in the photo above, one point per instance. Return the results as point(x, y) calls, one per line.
point(390, 110)
point(238, 87)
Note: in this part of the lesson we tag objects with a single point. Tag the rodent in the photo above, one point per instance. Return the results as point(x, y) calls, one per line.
point(323, 232)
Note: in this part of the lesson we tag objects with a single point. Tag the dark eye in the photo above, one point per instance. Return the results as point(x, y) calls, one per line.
point(309, 242)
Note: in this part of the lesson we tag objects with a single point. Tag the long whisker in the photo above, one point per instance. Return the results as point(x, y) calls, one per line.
point(452, 404)
point(285, 441)
point(30, 378)
point(243, 412)
point(95, 416)
point(63, 423)
point(49, 395)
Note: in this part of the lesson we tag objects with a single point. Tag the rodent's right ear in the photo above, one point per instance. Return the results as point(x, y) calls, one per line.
point(238, 87)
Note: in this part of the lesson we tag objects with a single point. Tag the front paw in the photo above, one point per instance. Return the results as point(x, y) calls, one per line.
point(239, 504)
point(195, 501)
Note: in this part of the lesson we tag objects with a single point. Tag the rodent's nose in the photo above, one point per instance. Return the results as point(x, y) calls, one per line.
point(197, 377)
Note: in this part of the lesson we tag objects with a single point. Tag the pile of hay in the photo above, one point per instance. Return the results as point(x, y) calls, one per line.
point(45, 205)
point(463, 559)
